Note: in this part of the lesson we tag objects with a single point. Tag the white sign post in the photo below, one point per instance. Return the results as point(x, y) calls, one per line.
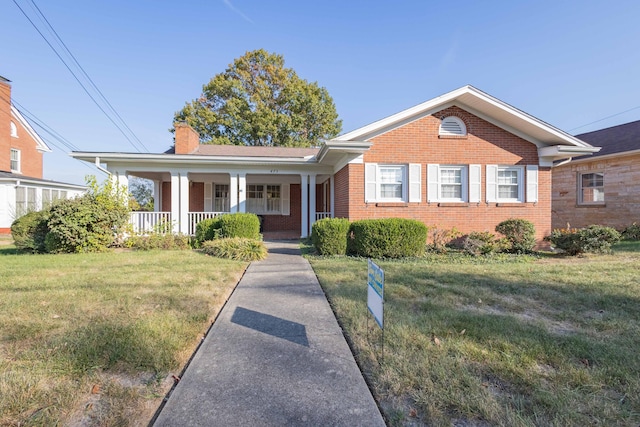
point(375, 292)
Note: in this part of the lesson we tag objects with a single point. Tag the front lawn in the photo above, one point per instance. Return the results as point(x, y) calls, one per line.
point(94, 339)
point(513, 341)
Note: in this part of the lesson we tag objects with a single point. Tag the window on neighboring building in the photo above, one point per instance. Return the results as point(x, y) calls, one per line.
point(452, 126)
point(14, 130)
point(264, 199)
point(15, 160)
point(221, 198)
point(591, 188)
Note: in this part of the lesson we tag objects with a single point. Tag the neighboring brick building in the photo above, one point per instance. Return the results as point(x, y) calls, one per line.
point(22, 188)
point(604, 188)
point(464, 160)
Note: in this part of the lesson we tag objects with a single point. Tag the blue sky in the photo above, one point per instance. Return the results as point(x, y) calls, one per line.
point(569, 63)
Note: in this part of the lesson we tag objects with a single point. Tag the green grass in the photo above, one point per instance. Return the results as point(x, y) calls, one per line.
point(523, 341)
point(117, 323)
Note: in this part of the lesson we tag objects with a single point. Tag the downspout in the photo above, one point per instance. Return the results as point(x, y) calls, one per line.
point(100, 168)
point(564, 162)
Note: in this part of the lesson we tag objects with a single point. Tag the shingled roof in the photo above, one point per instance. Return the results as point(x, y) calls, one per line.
point(614, 140)
point(250, 151)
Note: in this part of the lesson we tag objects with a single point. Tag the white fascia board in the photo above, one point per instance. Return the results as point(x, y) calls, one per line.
point(41, 145)
point(394, 119)
point(347, 147)
point(455, 97)
point(44, 183)
point(606, 156)
point(188, 159)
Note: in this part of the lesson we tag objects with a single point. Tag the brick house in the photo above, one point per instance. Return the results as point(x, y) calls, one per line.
point(22, 187)
point(464, 159)
point(604, 188)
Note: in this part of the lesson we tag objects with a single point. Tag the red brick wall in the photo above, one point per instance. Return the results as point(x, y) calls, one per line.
point(286, 222)
point(166, 197)
point(5, 130)
point(196, 197)
point(30, 157)
point(418, 142)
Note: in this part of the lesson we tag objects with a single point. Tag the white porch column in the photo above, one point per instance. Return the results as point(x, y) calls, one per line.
point(184, 203)
point(242, 192)
point(175, 201)
point(157, 195)
point(312, 201)
point(332, 198)
point(304, 201)
point(233, 193)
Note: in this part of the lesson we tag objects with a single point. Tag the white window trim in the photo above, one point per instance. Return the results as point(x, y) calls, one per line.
point(373, 183)
point(464, 183)
point(19, 160)
point(520, 171)
point(14, 130)
point(581, 188)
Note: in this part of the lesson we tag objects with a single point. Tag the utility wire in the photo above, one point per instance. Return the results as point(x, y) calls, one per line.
point(104, 98)
point(79, 82)
point(32, 118)
point(605, 118)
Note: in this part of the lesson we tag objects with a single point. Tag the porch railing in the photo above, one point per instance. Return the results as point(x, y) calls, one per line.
point(322, 215)
point(147, 222)
point(196, 217)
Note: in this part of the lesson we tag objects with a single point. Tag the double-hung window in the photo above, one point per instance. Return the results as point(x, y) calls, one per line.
point(264, 199)
point(591, 188)
point(15, 160)
point(509, 184)
point(391, 183)
point(453, 183)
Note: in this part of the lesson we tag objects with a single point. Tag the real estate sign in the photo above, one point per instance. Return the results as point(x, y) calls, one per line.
point(375, 292)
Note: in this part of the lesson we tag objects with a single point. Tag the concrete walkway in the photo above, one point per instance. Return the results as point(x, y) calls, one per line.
point(275, 357)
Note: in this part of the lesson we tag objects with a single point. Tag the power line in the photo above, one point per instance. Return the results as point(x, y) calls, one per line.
point(35, 120)
point(42, 17)
point(606, 118)
point(87, 76)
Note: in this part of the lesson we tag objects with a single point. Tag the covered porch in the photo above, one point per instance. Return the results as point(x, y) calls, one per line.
point(288, 204)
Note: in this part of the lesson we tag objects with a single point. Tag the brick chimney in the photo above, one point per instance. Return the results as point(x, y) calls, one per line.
point(187, 139)
point(5, 124)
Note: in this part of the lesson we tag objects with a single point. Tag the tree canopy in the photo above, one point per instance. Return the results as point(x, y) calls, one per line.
point(257, 101)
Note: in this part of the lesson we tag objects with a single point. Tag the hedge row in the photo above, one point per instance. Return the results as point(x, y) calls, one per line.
point(375, 238)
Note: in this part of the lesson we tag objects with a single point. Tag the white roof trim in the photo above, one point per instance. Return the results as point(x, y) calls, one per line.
point(469, 97)
point(41, 145)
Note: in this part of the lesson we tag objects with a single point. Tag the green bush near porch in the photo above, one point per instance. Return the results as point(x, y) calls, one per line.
point(329, 236)
point(245, 225)
point(387, 238)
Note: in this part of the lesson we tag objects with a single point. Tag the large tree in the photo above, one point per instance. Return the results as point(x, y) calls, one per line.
point(257, 101)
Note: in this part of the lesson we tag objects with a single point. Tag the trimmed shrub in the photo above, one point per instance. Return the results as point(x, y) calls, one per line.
point(387, 238)
point(208, 229)
point(236, 248)
point(30, 230)
point(632, 232)
point(575, 241)
point(240, 225)
point(520, 233)
point(329, 236)
point(159, 241)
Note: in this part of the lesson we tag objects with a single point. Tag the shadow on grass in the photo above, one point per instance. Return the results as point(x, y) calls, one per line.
point(9, 250)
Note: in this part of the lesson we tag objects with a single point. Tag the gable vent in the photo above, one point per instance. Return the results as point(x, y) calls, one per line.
point(452, 126)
